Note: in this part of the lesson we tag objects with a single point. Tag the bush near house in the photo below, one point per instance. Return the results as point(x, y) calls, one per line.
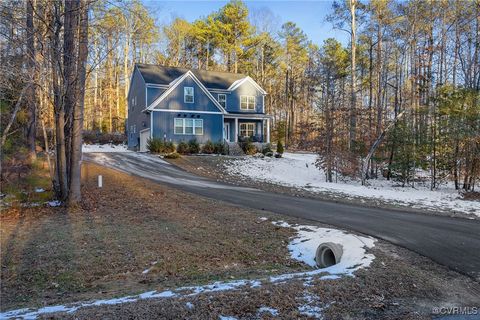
point(248, 147)
point(220, 148)
point(193, 146)
point(182, 148)
point(208, 147)
point(267, 149)
point(155, 145)
point(280, 150)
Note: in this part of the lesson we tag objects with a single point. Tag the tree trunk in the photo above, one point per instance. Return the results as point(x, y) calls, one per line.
point(32, 98)
point(74, 196)
point(353, 102)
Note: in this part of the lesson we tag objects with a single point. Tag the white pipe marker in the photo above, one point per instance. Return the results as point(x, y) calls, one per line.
point(100, 181)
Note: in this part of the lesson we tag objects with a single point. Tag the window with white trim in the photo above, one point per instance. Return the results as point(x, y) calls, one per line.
point(188, 95)
point(247, 102)
point(247, 129)
point(222, 100)
point(188, 126)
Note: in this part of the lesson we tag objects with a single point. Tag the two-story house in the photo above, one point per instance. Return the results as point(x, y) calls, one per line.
point(177, 104)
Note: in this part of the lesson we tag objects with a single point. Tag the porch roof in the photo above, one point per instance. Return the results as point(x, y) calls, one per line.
point(259, 116)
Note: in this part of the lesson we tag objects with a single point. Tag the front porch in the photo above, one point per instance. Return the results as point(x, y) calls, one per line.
point(239, 127)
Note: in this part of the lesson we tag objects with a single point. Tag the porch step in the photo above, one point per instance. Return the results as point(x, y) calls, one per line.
point(234, 149)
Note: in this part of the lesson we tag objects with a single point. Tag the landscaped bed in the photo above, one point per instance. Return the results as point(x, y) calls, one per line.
point(136, 237)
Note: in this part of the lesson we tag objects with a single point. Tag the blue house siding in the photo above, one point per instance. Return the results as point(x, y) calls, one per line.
point(153, 93)
point(136, 103)
point(163, 126)
point(175, 100)
point(247, 89)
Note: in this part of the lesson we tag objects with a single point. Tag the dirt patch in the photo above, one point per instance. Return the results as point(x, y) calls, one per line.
point(53, 255)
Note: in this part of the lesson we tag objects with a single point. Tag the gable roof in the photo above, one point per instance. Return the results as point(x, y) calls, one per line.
point(162, 75)
point(175, 82)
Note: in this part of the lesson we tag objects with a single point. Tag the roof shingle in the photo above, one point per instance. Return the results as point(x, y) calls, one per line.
point(157, 74)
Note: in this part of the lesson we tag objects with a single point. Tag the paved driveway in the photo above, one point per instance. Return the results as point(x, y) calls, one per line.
point(453, 242)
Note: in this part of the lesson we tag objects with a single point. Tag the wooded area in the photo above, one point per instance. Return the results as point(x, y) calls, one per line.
point(401, 98)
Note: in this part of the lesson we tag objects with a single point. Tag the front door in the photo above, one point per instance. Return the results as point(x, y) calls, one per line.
point(226, 131)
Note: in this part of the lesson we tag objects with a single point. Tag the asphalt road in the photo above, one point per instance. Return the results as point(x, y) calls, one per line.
point(453, 242)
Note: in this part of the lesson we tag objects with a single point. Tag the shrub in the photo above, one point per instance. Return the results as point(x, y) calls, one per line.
point(169, 147)
point(248, 147)
point(193, 146)
point(269, 154)
point(278, 155)
point(220, 148)
point(173, 155)
point(267, 149)
point(155, 145)
point(208, 147)
point(93, 137)
point(182, 148)
point(280, 147)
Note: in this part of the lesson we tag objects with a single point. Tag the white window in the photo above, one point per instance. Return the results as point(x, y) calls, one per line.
point(178, 126)
point(198, 127)
point(247, 102)
point(222, 100)
point(188, 94)
point(188, 123)
point(188, 126)
point(247, 129)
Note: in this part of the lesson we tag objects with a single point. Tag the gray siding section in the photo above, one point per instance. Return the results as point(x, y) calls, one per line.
point(136, 117)
point(163, 126)
point(175, 101)
point(152, 94)
point(248, 89)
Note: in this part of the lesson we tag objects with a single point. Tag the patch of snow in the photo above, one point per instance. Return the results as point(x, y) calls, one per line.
point(54, 203)
point(298, 170)
point(301, 247)
point(272, 311)
point(227, 318)
point(309, 308)
point(39, 190)
point(87, 148)
point(263, 218)
point(189, 305)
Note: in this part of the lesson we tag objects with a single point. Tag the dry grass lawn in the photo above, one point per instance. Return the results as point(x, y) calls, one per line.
point(53, 255)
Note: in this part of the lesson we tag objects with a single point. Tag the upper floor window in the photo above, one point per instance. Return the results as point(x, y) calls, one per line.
point(222, 100)
point(188, 94)
point(247, 102)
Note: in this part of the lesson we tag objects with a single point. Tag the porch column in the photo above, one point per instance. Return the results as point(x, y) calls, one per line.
point(236, 130)
point(268, 130)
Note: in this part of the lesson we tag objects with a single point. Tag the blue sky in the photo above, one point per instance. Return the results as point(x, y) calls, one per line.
point(308, 15)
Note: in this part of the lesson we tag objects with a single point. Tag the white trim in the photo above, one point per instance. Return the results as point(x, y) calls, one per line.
point(143, 130)
point(238, 83)
point(177, 82)
point(226, 91)
point(160, 86)
point(185, 95)
point(186, 111)
point(151, 125)
point(243, 117)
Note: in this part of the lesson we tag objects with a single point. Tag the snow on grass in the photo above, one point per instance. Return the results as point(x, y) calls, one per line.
point(272, 311)
point(309, 309)
point(87, 148)
point(302, 248)
point(298, 170)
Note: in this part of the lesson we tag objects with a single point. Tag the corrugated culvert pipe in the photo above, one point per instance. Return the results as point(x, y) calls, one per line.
point(328, 254)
